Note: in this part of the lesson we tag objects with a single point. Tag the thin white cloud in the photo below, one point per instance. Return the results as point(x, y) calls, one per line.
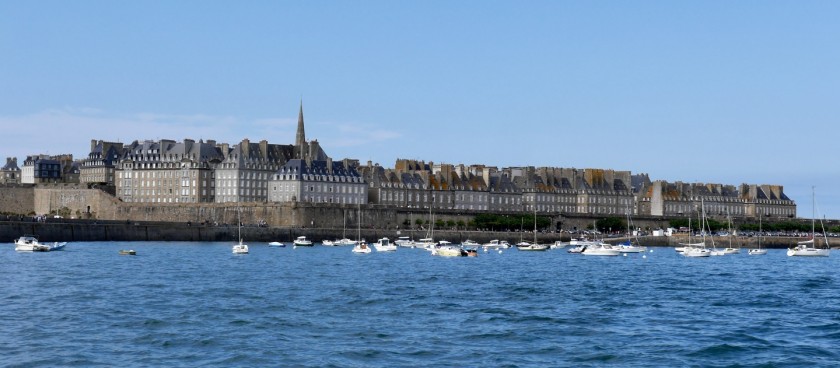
point(69, 130)
point(353, 135)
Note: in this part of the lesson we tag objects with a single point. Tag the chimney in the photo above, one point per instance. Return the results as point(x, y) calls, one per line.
point(329, 165)
point(314, 147)
point(225, 149)
point(264, 149)
point(93, 144)
point(245, 147)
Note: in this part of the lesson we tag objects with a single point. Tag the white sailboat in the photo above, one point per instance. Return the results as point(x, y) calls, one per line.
point(730, 249)
point(361, 246)
point(698, 250)
point(628, 246)
point(240, 248)
point(344, 240)
point(758, 251)
point(808, 248)
point(523, 245)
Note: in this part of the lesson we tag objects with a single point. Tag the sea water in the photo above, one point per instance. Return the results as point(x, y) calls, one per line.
point(196, 304)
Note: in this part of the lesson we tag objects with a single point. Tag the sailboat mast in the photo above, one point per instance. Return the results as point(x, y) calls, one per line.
point(759, 231)
point(813, 214)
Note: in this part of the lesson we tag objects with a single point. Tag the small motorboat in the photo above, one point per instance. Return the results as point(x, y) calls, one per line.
point(361, 247)
point(385, 245)
point(29, 243)
point(301, 241)
point(128, 252)
point(276, 244)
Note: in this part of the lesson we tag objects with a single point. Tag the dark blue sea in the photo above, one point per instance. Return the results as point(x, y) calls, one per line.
point(196, 304)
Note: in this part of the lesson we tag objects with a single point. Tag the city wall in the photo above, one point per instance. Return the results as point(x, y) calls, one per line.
point(74, 202)
point(17, 199)
point(111, 219)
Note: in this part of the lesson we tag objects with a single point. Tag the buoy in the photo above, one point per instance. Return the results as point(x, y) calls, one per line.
point(644, 256)
point(485, 250)
point(500, 251)
point(625, 254)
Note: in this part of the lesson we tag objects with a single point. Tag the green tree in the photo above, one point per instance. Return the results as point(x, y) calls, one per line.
point(611, 224)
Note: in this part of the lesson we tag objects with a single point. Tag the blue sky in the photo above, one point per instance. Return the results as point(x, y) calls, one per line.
point(714, 91)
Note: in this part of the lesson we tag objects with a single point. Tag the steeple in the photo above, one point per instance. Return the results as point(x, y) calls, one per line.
point(300, 138)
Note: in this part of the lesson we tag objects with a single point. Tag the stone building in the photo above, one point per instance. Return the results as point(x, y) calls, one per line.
point(767, 201)
point(504, 195)
point(469, 189)
point(404, 186)
point(247, 168)
point(680, 199)
point(38, 169)
point(168, 172)
point(10, 173)
point(101, 164)
point(318, 181)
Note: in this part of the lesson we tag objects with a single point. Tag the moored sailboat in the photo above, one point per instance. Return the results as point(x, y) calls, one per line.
point(240, 248)
point(808, 247)
point(758, 251)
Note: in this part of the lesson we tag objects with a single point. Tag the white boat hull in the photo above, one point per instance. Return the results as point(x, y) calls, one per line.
point(448, 252)
point(385, 248)
point(631, 249)
point(240, 249)
point(601, 252)
point(532, 248)
point(757, 252)
point(362, 249)
point(697, 252)
point(808, 252)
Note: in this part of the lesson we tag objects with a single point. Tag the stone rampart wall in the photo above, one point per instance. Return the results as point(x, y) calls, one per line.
point(17, 199)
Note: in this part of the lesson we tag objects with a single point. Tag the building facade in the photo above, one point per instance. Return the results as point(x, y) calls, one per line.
point(10, 173)
point(101, 164)
point(317, 181)
point(247, 168)
point(38, 169)
point(168, 172)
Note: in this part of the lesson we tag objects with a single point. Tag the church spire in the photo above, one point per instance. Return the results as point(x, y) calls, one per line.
point(300, 139)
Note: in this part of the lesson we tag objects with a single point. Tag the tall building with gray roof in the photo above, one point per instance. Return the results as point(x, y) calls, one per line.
point(318, 181)
point(166, 171)
point(10, 172)
point(245, 172)
point(100, 165)
point(38, 169)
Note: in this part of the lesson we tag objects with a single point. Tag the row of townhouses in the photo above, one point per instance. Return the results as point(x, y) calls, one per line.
point(166, 171)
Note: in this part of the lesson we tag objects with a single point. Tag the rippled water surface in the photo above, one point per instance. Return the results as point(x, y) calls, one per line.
point(190, 304)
